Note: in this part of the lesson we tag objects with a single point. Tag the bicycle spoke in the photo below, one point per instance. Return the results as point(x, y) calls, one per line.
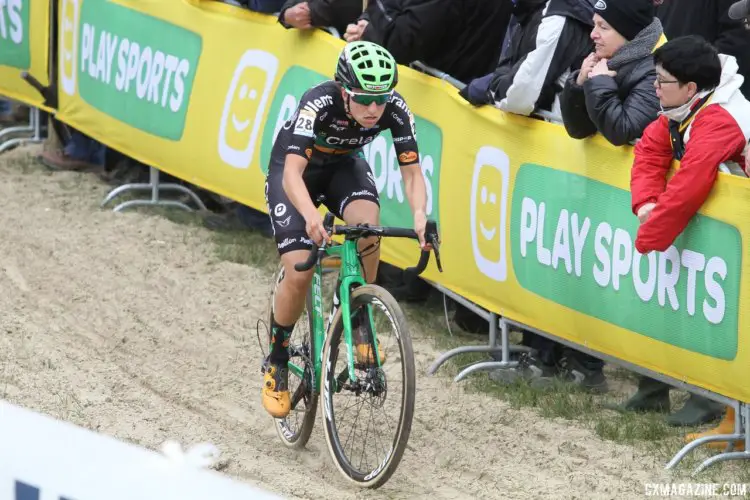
point(368, 442)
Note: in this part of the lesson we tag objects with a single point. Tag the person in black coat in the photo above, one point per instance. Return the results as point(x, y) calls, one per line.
point(711, 20)
point(460, 37)
point(551, 38)
point(320, 14)
point(613, 92)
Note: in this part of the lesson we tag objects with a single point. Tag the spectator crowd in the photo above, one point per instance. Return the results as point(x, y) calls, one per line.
point(671, 77)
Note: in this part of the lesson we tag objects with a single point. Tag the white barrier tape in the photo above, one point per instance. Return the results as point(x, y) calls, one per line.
point(46, 459)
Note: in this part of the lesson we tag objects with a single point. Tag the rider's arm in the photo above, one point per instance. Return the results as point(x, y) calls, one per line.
point(305, 125)
point(294, 186)
point(416, 191)
point(403, 130)
point(401, 123)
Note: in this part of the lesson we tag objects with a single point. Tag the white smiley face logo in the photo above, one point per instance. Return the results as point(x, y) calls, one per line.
point(244, 105)
point(489, 234)
point(489, 196)
point(68, 45)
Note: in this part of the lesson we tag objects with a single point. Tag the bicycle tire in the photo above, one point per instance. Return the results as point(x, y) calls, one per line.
point(376, 478)
point(299, 438)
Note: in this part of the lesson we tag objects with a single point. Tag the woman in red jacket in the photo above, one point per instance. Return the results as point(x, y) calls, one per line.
point(704, 122)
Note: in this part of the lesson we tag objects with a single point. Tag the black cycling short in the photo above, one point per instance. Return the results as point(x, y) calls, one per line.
point(341, 182)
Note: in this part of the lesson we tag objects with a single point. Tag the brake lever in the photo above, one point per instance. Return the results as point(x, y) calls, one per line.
point(436, 249)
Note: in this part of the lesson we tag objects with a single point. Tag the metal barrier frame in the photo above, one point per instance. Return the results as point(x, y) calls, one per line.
point(34, 127)
point(156, 187)
point(419, 65)
point(742, 410)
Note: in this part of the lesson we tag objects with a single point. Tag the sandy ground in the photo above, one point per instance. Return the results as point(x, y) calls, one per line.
point(129, 325)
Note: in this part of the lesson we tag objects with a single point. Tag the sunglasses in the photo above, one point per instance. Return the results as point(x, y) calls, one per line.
point(367, 99)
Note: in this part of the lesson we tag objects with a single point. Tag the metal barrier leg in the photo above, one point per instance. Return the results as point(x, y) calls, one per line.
point(505, 349)
point(740, 433)
point(723, 457)
point(156, 188)
point(741, 425)
point(492, 347)
point(699, 442)
point(33, 127)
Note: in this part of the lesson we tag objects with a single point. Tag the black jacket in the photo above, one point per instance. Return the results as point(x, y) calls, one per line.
point(709, 19)
point(620, 108)
point(325, 13)
point(581, 10)
point(528, 16)
point(460, 37)
point(565, 42)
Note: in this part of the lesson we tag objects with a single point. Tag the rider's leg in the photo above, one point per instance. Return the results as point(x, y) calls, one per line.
point(290, 296)
point(289, 299)
point(352, 193)
point(361, 212)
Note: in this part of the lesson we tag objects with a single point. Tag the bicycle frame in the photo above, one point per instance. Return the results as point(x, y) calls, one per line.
point(350, 273)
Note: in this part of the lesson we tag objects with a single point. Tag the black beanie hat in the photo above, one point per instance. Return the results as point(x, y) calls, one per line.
point(627, 17)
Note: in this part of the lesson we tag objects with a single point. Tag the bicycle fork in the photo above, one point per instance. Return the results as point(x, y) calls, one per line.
point(349, 332)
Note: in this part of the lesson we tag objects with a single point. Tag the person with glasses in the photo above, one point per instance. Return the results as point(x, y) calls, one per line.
point(704, 121)
point(318, 151)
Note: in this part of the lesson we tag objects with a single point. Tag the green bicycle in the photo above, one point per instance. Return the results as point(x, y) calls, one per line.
point(323, 362)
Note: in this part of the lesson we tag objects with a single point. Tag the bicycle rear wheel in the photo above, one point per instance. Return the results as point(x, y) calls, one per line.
point(294, 430)
point(383, 394)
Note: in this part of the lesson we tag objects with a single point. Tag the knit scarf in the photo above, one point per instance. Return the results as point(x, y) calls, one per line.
point(639, 47)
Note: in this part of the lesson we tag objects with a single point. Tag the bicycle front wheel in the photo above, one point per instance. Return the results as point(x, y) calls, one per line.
point(367, 421)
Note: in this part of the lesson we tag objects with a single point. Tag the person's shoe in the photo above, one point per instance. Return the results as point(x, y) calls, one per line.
point(651, 396)
point(58, 160)
point(21, 114)
point(364, 353)
point(125, 171)
point(512, 355)
point(7, 119)
point(697, 411)
point(275, 391)
point(530, 369)
point(726, 426)
point(574, 372)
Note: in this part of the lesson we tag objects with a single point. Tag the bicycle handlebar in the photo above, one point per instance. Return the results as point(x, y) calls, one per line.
point(364, 230)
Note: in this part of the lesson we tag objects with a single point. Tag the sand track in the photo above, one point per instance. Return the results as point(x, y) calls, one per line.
point(129, 325)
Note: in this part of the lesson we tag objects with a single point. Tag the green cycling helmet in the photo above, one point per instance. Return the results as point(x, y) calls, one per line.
point(367, 66)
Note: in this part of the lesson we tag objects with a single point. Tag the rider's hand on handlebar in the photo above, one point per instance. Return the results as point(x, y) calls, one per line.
point(420, 221)
point(315, 229)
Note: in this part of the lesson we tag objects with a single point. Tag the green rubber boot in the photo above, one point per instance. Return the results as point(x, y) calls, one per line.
point(652, 395)
point(697, 411)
